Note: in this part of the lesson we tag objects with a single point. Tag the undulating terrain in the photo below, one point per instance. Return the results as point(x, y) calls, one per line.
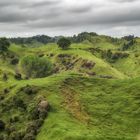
point(92, 92)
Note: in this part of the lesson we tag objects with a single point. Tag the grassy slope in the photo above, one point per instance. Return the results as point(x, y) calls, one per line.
point(78, 50)
point(85, 108)
point(98, 109)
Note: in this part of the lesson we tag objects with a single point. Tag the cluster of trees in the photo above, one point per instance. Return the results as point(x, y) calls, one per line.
point(113, 56)
point(35, 67)
point(4, 45)
point(47, 39)
point(128, 45)
point(40, 38)
point(129, 42)
point(83, 36)
point(129, 37)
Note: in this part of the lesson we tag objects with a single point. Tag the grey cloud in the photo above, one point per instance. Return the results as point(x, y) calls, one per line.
point(63, 16)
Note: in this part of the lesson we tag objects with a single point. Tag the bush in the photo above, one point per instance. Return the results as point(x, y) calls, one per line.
point(15, 136)
point(33, 114)
point(14, 61)
point(5, 77)
point(18, 76)
point(4, 45)
point(1, 137)
point(29, 89)
point(2, 125)
point(29, 136)
point(113, 56)
point(64, 43)
point(5, 91)
point(14, 119)
point(36, 67)
point(19, 102)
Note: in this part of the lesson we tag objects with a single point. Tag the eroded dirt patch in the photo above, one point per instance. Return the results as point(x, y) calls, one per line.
point(73, 105)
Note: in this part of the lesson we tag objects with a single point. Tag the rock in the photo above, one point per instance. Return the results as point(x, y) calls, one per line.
point(43, 106)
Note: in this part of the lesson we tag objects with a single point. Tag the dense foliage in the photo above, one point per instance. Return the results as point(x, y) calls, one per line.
point(35, 67)
point(64, 43)
point(4, 45)
point(39, 38)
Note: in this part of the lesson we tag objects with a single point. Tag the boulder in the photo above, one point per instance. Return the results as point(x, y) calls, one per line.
point(43, 106)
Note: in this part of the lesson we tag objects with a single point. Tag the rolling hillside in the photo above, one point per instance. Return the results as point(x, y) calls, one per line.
point(93, 91)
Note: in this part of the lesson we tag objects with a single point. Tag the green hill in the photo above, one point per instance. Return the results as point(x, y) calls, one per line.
point(92, 92)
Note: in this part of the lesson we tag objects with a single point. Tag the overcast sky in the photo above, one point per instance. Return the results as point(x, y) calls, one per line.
point(68, 17)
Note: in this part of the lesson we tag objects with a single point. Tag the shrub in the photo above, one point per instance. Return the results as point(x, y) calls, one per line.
point(1, 97)
point(29, 136)
point(5, 91)
point(18, 76)
point(128, 45)
point(9, 129)
point(14, 61)
point(113, 56)
point(15, 136)
point(5, 77)
point(19, 102)
point(36, 67)
point(1, 137)
point(29, 89)
point(4, 45)
point(33, 113)
point(2, 125)
point(14, 119)
point(64, 43)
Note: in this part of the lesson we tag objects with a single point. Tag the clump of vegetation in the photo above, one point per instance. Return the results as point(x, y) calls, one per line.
point(14, 61)
point(29, 89)
point(35, 67)
point(88, 65)
point(83, 36)
point(64, 43)
point(128, 45)
point(129, 37)
point(4, 45)
point(2, 125)
point(18, 76)
point(5, 77)
point(18, 102)
point(113, 56)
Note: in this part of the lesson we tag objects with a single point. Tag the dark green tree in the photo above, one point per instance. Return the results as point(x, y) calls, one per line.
point(64, 43)
point(4, 45)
